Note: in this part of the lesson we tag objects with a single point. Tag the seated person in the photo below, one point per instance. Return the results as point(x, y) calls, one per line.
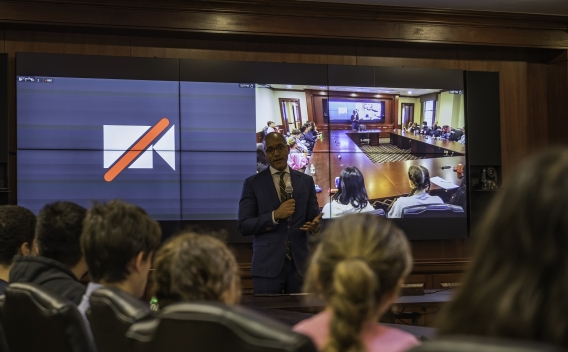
point(409, 127)
point(435, 126)
point(309, 131)
point(462, 138)
point(314, 129)
point(271, 127)
point(118, 240)
point(516, 285)
point(351, 196)
point(425, 129)
point(415, 128)
point(306, 137)
point(192, 267)
point(261, 162)
point(357, 270)
point(460, 196)
point(299, 143)
point(296, 159)
point(446, 132)
point(17, 227)
point(419, 178)
point(60, 263)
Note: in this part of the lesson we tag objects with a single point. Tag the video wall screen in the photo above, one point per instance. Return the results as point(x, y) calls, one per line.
point(181, 149)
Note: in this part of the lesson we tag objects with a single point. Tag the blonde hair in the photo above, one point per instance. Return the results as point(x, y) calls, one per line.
point(360, 260)
point(193, 267)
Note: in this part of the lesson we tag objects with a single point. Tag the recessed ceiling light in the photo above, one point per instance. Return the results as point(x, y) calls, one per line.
point(410, 92)
point(353, 94)
point(288, 86)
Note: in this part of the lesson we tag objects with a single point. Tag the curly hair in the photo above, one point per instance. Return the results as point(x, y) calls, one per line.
point(17, 226)
point(360, 260)
point(193, 267)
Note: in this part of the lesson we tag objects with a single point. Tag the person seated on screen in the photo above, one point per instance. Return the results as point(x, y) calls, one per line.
point(435, 126)
point(357, 270)
point(59, 263)
point(296, 159)
point(419, 179)
point(516, 285)
point(306, 137)
point(415, 128)
point(309, 129)
point(302, 147)
point(460, 195)
point(196, 267)
point(425, 130)
point(261, 162)
point(271, 127)
point(409, 127)
point(446, 132)
point(355, 120)
point(462, 138)
point(351, 196)
point(119, 240)
point(17, 227)
point(314, 129)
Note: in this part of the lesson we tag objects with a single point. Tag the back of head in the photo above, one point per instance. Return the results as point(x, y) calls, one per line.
point(357, 265)
point(420, 177)
point(58, 232)
point(517, 285)
point(352, 188)
point(17, 226)
point(303, 129)
point(113, 235)
point(192, 267)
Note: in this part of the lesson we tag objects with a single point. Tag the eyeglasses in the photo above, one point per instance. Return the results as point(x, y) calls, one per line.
point(280, 148)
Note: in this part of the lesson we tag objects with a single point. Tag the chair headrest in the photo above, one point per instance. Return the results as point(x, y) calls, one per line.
point(125, 307)
point(433, 210)
point(235, 323)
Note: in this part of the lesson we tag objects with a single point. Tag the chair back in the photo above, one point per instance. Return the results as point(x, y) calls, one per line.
point(433, 211)
point(111, 314)
point(3, 344)
point(196, 327)
point(37, 320)
point(457, 135)
point(378, 212)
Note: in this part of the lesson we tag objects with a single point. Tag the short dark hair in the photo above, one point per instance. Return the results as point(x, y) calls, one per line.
point(58, 232)
point(303, 129)
point(17, 226)
point(115, 233)
point(269, 123)
point(295, 131)
point(352, 188)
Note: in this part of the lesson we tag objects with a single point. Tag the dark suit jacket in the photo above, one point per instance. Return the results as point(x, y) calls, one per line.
point(259, 198)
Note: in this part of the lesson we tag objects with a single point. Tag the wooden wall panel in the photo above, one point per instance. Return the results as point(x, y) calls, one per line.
point(557, 86)
point(537, 107)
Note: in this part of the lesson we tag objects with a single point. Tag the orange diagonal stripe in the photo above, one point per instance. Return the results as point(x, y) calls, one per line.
point(136, 149)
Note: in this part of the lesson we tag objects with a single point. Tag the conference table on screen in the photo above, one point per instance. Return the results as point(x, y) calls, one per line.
point(387, 180)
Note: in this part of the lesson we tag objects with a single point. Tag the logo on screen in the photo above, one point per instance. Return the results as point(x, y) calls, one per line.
point(133, 147)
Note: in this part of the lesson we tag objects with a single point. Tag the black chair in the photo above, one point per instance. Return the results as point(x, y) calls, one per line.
point(456, 135)
point(477, 343)
point(36, 319)
point(197, 327)
point(433, 211)
point(3, 344)
point(111, 314)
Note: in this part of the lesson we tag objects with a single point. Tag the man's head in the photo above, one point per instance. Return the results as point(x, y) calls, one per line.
point(270, 124)
point(303, 129)
point(17, 227)
point(276, 150)
point(296, 133)
point(58, 232)
point(119, 240)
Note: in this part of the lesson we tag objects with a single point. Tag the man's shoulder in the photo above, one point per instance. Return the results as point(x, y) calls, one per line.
point(258, 175)
point(302, 176)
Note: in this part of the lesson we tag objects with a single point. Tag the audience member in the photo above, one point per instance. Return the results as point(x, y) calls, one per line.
point(419, 179)
point(192, 267)
point(314, 130)
point(306, 137)
point(271, 127)
point(60, 263)
point(17, 226)
point(296, 159)
point(351, 196)
point(261, 162)
point(355, 120)
point(425, 129)
point(409, 127)
point(516, 287)
point(309, 129)
point(462, 138)
point(415, 128)
point(446, 132)
point(118, 240)
point(435, 126)
point(358, 269)
point(299, 143)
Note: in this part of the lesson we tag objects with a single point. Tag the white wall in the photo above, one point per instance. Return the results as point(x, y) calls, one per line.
point(450, 110)
point(268, 109)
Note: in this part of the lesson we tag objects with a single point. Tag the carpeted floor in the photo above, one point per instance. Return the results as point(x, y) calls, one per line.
point(386, 153)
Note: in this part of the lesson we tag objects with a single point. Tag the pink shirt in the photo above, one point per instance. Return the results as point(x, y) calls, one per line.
point(297, 160)
point(376, 337)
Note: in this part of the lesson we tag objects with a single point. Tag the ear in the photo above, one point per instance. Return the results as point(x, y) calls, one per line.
point(25, 249)
point(138, 262)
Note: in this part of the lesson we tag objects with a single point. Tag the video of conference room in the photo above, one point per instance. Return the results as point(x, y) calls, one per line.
point(399, 153)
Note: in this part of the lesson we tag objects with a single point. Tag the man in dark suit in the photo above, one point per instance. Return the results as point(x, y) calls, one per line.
point(278, 224)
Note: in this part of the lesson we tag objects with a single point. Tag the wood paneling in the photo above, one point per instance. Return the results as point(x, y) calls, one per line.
point(557, 88)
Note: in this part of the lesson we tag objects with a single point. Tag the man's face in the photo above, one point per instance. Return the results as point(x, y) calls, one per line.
point(273, 125)
point(276, 151)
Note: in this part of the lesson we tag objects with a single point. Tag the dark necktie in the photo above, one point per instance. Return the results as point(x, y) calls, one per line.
point(283, 198)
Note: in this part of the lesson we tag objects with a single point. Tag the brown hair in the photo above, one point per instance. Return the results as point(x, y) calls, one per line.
point(517, 285)
point(193, 267)
point(360, 260)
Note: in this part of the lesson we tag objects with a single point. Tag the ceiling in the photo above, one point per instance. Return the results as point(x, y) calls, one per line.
point(547, 7)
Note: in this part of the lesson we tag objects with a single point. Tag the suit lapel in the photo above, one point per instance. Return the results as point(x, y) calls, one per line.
point(268, 184)
point(295, 179)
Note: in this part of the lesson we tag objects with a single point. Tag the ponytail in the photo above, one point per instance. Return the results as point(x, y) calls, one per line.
point(353, 303)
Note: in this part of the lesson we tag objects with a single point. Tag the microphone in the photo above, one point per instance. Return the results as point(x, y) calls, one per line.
point(289, 191)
